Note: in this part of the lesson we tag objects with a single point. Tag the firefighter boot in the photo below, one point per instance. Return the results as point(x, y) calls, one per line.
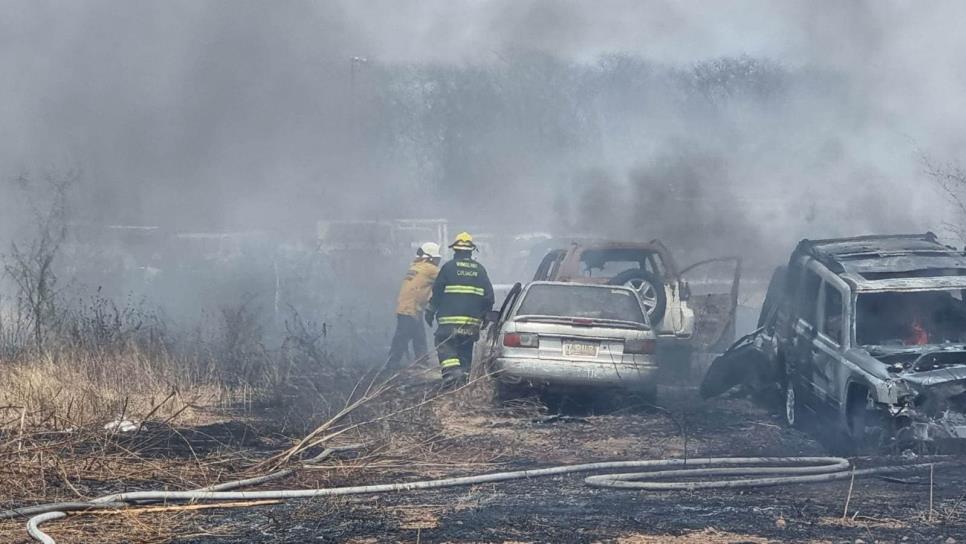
point(453, 377)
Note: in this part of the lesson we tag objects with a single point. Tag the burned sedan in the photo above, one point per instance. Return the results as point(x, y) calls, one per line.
point(572, 336)
point(867, 333)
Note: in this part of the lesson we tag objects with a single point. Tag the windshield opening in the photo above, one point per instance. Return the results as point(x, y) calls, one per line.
point(582, 302)
point(911, 318)
point(607, 263)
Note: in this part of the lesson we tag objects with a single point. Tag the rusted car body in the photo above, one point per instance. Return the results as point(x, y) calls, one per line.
point(867, 333)
point(695, 305)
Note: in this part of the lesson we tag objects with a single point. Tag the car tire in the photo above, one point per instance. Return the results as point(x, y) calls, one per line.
point(509, 392)
point(859, 420)
point(793, 409)
point(649, 287)
point(649, 394)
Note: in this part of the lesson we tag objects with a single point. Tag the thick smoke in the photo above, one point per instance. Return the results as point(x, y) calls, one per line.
point(719, 127)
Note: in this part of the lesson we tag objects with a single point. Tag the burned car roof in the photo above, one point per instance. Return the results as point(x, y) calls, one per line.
point(879, 263)
point(604, 243)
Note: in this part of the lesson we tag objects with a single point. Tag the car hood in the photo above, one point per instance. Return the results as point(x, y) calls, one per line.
point(952, 381)
point(924, 365)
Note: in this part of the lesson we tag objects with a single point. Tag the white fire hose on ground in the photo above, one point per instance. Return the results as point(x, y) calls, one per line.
point(726, 473)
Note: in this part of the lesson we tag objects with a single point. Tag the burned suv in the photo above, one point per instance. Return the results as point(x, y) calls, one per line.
point(868, 333)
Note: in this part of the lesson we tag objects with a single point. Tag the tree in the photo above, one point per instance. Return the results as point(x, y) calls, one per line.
point(951, 179)
point(31, 265)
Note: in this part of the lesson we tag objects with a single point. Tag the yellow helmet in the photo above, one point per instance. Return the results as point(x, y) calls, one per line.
point(463, 242)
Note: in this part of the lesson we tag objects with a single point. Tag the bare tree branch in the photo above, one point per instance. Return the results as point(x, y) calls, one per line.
point(32, 266)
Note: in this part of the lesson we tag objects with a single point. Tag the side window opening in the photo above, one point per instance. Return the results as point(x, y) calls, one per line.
point(510, 301)
point(555, 266)
point(608, 263)
point(548, 267)
point(832, 322)
point(808, 303)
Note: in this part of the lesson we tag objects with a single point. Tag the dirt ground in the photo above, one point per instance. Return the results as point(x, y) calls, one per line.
point(467, 434)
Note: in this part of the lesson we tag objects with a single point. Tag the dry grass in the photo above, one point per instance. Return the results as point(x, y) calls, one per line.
point(143, 528)
point(45, 466)
point(77, 462)
point(406, 425)
point(98, 361)
point(194, 408)
point(60, 393)
point(81, 464)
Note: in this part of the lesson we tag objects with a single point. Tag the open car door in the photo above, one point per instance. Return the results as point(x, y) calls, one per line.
point(711, 287)
point(752, 359)
point(493, 328)
point(491, 333)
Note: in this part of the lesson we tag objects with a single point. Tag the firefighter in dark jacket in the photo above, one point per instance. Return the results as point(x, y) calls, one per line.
point(462, 294)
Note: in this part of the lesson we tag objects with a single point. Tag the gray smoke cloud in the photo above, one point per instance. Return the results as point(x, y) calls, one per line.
point(762, 120)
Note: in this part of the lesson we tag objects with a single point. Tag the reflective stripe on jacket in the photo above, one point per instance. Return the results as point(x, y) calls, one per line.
point(462, 295)
point(416, 288)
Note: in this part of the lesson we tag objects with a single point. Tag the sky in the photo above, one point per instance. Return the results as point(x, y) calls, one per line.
point(232, 115)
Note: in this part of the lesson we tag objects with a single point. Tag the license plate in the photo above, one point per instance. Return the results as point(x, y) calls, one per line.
point(580, 349)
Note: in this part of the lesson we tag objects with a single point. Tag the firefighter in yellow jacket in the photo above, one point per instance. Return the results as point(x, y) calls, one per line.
point(417, 288)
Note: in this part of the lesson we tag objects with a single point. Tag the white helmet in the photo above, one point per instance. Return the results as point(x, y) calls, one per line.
point(430, 249)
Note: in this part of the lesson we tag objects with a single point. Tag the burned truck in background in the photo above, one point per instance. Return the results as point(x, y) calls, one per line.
point(868, 334)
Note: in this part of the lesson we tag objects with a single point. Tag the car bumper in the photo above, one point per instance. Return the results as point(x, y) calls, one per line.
point(543, 372)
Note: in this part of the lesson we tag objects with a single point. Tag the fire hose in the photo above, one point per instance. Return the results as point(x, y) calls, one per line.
point(726, 473)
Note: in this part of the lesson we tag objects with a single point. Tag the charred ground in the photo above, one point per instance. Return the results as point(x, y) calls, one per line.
point(563, 509)
point(467, 434)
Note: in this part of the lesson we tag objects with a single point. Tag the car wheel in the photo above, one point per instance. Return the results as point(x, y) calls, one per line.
point(792, 409)
point(866, 427)
point(649, 394)
point(649, 288)
point(508, 392)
